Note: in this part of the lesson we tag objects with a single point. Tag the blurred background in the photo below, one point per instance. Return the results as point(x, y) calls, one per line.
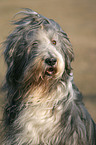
point(78, 20)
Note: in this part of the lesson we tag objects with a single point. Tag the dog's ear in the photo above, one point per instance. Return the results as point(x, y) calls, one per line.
point(68, 52)
point(69, 57)
point(15, 57)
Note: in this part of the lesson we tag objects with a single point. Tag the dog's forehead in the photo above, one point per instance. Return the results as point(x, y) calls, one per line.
point(47, 35)
point(50, 30)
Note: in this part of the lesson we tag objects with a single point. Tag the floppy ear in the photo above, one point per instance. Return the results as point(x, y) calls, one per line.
point(15, 57)
point(68, 52)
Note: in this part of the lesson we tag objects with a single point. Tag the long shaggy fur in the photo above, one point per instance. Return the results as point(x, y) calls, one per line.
point(44, 107)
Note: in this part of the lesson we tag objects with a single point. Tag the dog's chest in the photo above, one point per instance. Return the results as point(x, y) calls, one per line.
point(41, 123)
point(41, 119)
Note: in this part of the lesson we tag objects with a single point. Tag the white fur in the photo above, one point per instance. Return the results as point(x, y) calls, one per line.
point(38, 121)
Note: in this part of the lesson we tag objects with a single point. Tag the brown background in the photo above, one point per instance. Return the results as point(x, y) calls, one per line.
point(78, 19)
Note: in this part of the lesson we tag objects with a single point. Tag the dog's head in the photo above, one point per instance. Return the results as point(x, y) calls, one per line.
point(37, 50)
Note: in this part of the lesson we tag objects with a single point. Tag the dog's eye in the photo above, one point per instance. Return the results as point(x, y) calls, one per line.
point(54, 42)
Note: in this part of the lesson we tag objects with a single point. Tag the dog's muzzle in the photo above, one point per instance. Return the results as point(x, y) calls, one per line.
point(51, 66)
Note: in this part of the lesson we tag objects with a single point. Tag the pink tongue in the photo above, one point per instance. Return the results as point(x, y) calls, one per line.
point(50, 71)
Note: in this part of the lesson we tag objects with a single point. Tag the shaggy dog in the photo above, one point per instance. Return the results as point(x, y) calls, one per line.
point(44, 107)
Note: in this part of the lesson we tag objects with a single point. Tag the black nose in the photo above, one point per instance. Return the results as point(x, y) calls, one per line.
point(51, 61)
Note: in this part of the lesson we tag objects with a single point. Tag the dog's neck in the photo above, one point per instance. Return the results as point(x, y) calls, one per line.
point(58, 94)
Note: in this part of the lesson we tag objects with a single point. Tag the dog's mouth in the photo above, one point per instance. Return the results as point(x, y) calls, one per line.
point(50, 71)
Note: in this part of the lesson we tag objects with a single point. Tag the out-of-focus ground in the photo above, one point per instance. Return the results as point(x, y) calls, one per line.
point(78, 19)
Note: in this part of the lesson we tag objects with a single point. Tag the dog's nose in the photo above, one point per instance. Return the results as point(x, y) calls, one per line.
point(50, 61)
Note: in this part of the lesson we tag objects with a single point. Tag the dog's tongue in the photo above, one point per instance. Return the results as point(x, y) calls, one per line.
point(50, 71)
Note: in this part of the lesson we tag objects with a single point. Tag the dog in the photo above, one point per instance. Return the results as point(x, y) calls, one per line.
point(43, 105)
